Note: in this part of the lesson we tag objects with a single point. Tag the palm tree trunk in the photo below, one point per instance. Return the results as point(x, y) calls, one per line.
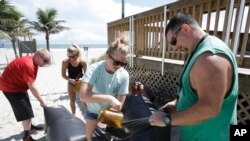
point(47, 41)
point(14, 47)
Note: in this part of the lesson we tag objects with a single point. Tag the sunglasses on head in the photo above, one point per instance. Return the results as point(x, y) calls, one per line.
point(173, 41)
point(117, 63)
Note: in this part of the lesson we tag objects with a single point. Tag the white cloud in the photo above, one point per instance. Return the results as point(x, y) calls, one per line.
point(87, 19)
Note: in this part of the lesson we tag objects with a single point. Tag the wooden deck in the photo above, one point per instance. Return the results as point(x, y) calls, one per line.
point(158, 65)
point(244, 71)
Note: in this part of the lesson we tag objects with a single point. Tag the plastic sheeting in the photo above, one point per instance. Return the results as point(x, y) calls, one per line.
point(136, 127)
point(61, 125)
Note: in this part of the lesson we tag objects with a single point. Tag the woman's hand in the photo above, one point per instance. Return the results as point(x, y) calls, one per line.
point(74, 81)
point(115, 104)
point(77, 81)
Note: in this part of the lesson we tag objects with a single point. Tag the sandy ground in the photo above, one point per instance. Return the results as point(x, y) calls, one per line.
point(52, 87)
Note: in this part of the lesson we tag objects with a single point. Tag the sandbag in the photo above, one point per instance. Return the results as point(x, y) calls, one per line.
point(139, 108)
point(129, 128)
point(54, 113)
point(61, 125)
point(136, 107)
point(66, 129)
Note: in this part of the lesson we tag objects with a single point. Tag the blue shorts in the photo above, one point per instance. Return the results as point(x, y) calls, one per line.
point(91, 116)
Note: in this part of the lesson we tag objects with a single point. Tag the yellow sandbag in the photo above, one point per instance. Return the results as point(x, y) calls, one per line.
point(110, 117)
point(77, 87)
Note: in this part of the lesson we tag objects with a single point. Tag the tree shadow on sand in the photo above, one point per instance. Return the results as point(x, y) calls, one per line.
point(14, 137)
point(56, 93)
point(80, 105)
point(61, 96)
point(19, 137)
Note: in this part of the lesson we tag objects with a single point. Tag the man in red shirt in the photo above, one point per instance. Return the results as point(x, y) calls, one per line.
point(17, 78)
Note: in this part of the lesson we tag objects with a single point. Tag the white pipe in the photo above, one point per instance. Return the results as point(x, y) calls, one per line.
point(164, 40)
point(238, 26)
point(229, 21)
point(132, 36)
point(130, 42)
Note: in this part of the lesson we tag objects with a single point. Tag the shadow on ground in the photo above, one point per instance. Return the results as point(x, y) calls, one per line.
point(20, 136)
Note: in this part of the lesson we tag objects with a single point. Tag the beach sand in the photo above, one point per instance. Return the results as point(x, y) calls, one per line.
point(52, 87)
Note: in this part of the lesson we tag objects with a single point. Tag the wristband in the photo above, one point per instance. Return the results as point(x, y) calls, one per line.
point(168, 119)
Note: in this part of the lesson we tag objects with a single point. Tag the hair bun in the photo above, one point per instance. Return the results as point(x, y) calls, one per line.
point(123, 40)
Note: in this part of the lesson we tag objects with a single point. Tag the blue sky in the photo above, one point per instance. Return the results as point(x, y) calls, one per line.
point(87, 19)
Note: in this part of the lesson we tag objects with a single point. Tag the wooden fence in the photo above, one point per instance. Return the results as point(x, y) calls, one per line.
point(226, 19)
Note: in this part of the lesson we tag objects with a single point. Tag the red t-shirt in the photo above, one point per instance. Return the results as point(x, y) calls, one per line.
point(17, 74)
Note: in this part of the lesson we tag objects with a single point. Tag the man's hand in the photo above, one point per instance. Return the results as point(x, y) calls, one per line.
point(42, 104)
point(170, 107)
point(157, 119)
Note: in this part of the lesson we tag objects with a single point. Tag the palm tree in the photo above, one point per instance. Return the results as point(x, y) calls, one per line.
point(46, 23)
point(11, 22)
point(4, 36)
point(3, 21)
point(16, 29)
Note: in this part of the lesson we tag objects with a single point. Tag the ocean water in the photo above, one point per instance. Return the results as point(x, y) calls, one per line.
point(62, 46)
point(59, 46)
point(93, 52)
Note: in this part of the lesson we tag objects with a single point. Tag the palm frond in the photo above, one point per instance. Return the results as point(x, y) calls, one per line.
point(4, 36)
point(58, 29)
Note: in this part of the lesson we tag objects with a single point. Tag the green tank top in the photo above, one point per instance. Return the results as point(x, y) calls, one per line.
point(217, 128)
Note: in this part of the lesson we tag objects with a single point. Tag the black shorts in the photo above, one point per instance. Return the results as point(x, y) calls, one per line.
point(21, 105)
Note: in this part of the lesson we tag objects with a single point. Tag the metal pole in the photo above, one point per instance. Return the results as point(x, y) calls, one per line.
point(238, 27)
point(229, 21)
point(122, 9)
point(164, 40)
point(132, 41)
point(86, 53)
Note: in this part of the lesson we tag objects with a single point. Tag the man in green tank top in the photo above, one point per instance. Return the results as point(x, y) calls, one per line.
point(208, 87)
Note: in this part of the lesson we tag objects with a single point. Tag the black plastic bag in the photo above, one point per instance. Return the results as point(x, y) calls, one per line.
point(129, 128)
point(136, 127)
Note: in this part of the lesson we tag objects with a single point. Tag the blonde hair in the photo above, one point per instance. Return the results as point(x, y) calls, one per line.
point(74, 49)
point(120, 45)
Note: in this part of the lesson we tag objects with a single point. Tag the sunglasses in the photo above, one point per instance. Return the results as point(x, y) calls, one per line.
point(173, 41)
point(44, 60)
point(117, 63)
point(71, 56)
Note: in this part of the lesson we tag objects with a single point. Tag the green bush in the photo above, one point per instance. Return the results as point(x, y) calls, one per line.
point(102, 57)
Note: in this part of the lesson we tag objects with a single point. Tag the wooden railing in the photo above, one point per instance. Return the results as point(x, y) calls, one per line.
point(227, 19)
